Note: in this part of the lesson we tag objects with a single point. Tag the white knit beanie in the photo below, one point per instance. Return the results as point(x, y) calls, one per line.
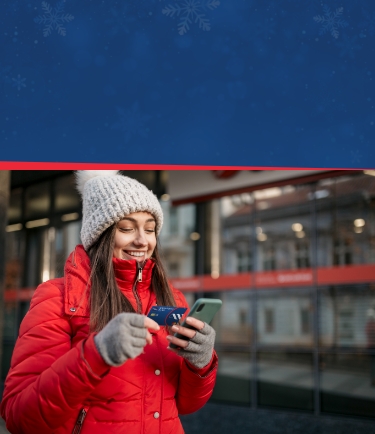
point(108, 197)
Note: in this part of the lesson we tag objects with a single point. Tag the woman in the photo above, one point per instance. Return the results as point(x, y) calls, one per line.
point(87, 359)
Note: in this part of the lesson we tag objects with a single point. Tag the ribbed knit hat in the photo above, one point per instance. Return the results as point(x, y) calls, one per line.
point(108, 197)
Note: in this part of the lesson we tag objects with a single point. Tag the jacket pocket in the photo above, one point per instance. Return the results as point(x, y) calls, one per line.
point(80, 419)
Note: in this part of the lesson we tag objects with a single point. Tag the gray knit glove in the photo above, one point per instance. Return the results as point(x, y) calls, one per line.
point(124, 337)
point(199, 349)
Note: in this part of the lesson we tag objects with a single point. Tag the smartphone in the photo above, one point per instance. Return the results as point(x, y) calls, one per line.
point(204, 309)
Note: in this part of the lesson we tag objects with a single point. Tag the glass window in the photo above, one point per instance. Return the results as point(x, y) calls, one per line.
point(15, 206)
point(233, 322)
point(348, 384)
point(14, 252)
point(285, 380)
point(37, 200)
point(66, 195)
point(284, 318)
point(10, 321)
point(283, 227)
point(173, 221)
point(177, 239)
point(236, 233)
point(269, 320)
point(233, 378)
point(346, 220)
point(346, 313)
point(34, 252)
point(58, 244)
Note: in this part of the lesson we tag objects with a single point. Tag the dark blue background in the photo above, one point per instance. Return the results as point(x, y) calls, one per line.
point(259, 83)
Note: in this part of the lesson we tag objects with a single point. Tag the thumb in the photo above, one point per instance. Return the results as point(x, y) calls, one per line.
point(151, 324)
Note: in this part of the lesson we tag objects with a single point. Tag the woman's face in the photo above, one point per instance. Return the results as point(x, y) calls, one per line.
point(135, 237)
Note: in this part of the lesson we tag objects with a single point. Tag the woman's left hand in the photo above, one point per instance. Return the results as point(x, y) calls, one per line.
point(198, 349)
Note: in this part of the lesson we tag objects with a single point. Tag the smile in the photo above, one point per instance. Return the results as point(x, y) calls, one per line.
point(137, 254)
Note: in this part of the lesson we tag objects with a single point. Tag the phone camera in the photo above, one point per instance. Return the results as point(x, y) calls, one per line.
point(200, 307)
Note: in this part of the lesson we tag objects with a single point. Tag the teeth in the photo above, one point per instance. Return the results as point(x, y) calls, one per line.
point(136, 253)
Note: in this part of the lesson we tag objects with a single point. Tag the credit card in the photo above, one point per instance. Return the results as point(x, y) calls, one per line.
point(166, 315)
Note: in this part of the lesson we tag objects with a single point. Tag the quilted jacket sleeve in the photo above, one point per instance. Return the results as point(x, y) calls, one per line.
point(48, 380)
point(195, 385)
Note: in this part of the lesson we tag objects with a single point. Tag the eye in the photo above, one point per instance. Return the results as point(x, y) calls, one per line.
point(126, 230)
point(149, 231)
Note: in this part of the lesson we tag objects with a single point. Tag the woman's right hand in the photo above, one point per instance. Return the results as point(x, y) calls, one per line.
point(124, 337)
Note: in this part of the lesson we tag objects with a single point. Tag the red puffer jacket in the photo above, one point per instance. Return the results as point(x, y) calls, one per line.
point(58, 383)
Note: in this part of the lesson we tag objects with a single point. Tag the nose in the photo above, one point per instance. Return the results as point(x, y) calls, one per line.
point(140, 239)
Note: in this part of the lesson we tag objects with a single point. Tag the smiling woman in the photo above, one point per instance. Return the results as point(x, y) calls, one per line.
point(88, 359)
point(135, 237)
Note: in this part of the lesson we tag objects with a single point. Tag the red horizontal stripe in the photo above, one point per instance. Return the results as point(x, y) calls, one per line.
point(29, 165)
point(19, 294)
point(348, 274)
point(266, 279)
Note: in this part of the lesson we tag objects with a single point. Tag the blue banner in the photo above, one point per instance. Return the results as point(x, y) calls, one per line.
point(207, 82)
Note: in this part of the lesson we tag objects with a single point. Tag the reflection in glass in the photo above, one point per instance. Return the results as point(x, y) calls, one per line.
point(285, 380)
point(58, 244)
point(14, 251)
point(236, 233)
point(283, 228)
point(10, 321)
point(15, 206)
point(10, 331)
point(37, 200)
point(348, 384)
point(345, 312)
point(346, 221)
point(66, 194)
point(234, 326)
point(285, 318)
point(177, 245)
point(233, 378)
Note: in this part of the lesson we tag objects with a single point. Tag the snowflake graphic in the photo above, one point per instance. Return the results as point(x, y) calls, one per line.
point(18, 82)
point(131, 122)
point(331, 21)
point(191, 11)
point(53, 19)
point(349, 46)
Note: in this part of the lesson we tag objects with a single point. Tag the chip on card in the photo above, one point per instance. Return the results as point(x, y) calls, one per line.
point(166, 315)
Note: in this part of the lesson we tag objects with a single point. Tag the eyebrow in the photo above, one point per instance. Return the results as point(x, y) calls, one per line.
point(135, 221)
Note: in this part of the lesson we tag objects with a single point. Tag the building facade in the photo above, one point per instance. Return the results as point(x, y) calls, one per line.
point(291, 255)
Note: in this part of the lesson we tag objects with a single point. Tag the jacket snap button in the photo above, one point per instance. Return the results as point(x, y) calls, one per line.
point(157, 372)
point(72, 309)
point(156, 415)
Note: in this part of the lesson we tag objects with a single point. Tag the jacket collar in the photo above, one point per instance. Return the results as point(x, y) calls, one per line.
point(76, 278)
point(127, 272)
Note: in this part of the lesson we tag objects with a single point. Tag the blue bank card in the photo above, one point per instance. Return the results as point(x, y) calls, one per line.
point(166, 315)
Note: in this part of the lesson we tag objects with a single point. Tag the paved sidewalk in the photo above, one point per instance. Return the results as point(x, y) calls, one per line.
point(224, 419)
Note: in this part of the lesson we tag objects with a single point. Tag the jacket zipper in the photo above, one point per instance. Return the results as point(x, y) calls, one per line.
point(135, 292)
point(81, 417)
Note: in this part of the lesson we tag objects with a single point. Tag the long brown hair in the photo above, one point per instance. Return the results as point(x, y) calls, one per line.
point(106, 299)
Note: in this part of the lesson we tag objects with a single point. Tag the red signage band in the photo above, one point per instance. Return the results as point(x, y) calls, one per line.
point(350, 274)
